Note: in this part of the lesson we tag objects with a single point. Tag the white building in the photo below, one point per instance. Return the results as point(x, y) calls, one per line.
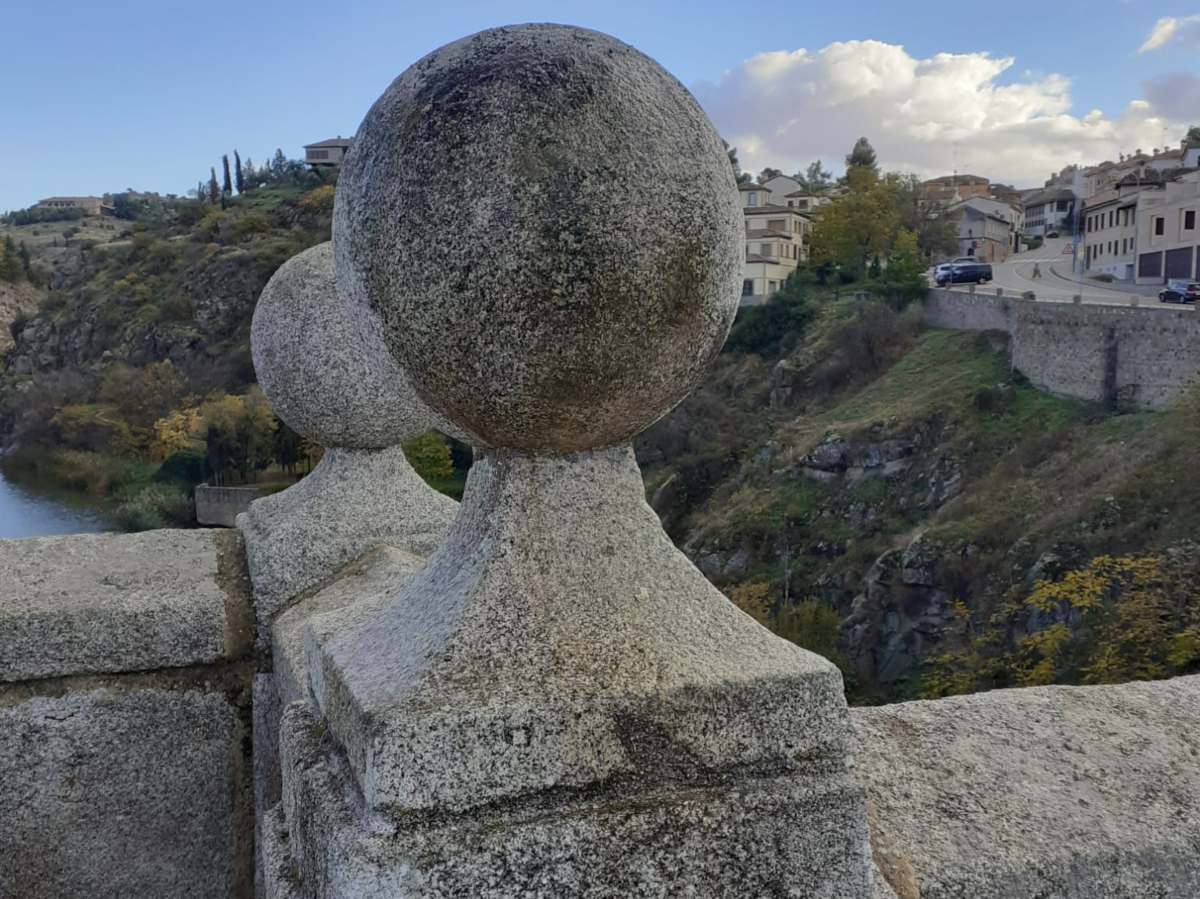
point(777, 237)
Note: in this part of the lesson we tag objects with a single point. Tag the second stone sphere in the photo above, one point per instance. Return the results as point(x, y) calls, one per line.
point(325, 371)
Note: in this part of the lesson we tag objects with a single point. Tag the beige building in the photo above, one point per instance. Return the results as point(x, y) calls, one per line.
point(776, 242)
point(1109, 224)
point(327, 152)
point(89, 205)
point(1168, 232)
point(987, 229)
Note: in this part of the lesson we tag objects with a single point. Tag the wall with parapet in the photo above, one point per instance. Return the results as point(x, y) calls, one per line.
point(221, 506)
point(125, 666)
point(1136, 357)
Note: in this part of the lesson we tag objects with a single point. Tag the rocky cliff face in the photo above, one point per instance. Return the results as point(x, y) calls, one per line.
point(17, 302)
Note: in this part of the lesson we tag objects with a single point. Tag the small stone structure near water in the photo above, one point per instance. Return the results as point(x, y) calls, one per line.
point(551, 701)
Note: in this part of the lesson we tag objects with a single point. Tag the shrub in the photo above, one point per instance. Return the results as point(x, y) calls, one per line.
point(183, 467)
point(155, 506)
point(429, 454)
point(763, 329)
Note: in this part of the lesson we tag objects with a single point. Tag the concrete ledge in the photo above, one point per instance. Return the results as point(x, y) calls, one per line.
point(1054, 792)
point(103, 603)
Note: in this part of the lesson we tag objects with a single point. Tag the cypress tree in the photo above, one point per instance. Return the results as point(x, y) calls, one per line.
point(227, 184)
point(214, 189)
point(238, 181)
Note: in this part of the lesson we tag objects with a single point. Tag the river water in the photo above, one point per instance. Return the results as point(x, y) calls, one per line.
point(27, 513)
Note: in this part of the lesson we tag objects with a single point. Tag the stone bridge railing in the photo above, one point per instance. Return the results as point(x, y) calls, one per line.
point(533, 694)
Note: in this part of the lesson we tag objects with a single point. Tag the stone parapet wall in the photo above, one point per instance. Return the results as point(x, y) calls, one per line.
point(125, 666)
point(1133, 357)
point(220, 506)
point(1055, 792)
point(969, 312)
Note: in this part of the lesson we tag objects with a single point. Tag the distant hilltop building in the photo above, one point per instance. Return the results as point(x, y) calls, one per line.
point(778, 222)
point(327, 152)
point(89, 205)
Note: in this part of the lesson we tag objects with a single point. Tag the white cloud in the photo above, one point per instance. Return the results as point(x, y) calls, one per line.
point(785, 109)
point(1169, 29)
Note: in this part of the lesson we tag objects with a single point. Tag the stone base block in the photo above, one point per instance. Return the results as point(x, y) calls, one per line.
point(352, 502)
point(802, 835)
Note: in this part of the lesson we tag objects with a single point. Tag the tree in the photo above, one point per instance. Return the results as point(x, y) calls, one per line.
point(767, 174)
point(227, 183)
point(857, 225)
point(288, 448)
point(934, 228)
point(731, 152)
point(816, 180)
point(214, 189)
point(863, 155)
point(875, 269)
point(26, 264)
point(1193, 136)
point(429, 455)
point(279, 163)
point(239, 180)
point(11, 268)
point(904, 261)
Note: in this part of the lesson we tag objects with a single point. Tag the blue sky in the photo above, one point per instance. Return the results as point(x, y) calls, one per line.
point(104, 96)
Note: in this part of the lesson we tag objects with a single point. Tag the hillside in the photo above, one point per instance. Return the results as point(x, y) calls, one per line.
point(902, 502)
point(893, 497)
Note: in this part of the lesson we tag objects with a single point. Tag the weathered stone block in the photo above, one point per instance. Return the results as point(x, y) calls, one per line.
point(1053, 792)
point(92, 603)
point(108, 794)
point(797, 834)
point(354, 501)
point(357, 591)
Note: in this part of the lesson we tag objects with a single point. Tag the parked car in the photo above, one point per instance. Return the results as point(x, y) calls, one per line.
point(1052, 234)
point(966, 273)
point(1180, 293)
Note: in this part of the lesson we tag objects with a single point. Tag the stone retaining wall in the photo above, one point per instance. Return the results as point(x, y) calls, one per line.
point(1133, 357)
point(125, 717)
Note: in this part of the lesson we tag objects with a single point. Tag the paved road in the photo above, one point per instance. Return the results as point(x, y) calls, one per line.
point(1057, 284)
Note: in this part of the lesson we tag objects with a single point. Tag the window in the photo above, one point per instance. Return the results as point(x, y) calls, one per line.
point(1112, 215)
point(748, 287)
point(772, 286)
point(764, 249)
point(1189, 220)
point(751, 198)
point(318, 154)
point(1160, 226)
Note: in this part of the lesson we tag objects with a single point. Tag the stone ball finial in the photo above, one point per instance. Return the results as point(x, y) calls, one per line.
point(325, 371)
point(548, 227)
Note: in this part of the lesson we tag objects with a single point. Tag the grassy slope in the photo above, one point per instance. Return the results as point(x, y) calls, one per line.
point(1056, 473)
